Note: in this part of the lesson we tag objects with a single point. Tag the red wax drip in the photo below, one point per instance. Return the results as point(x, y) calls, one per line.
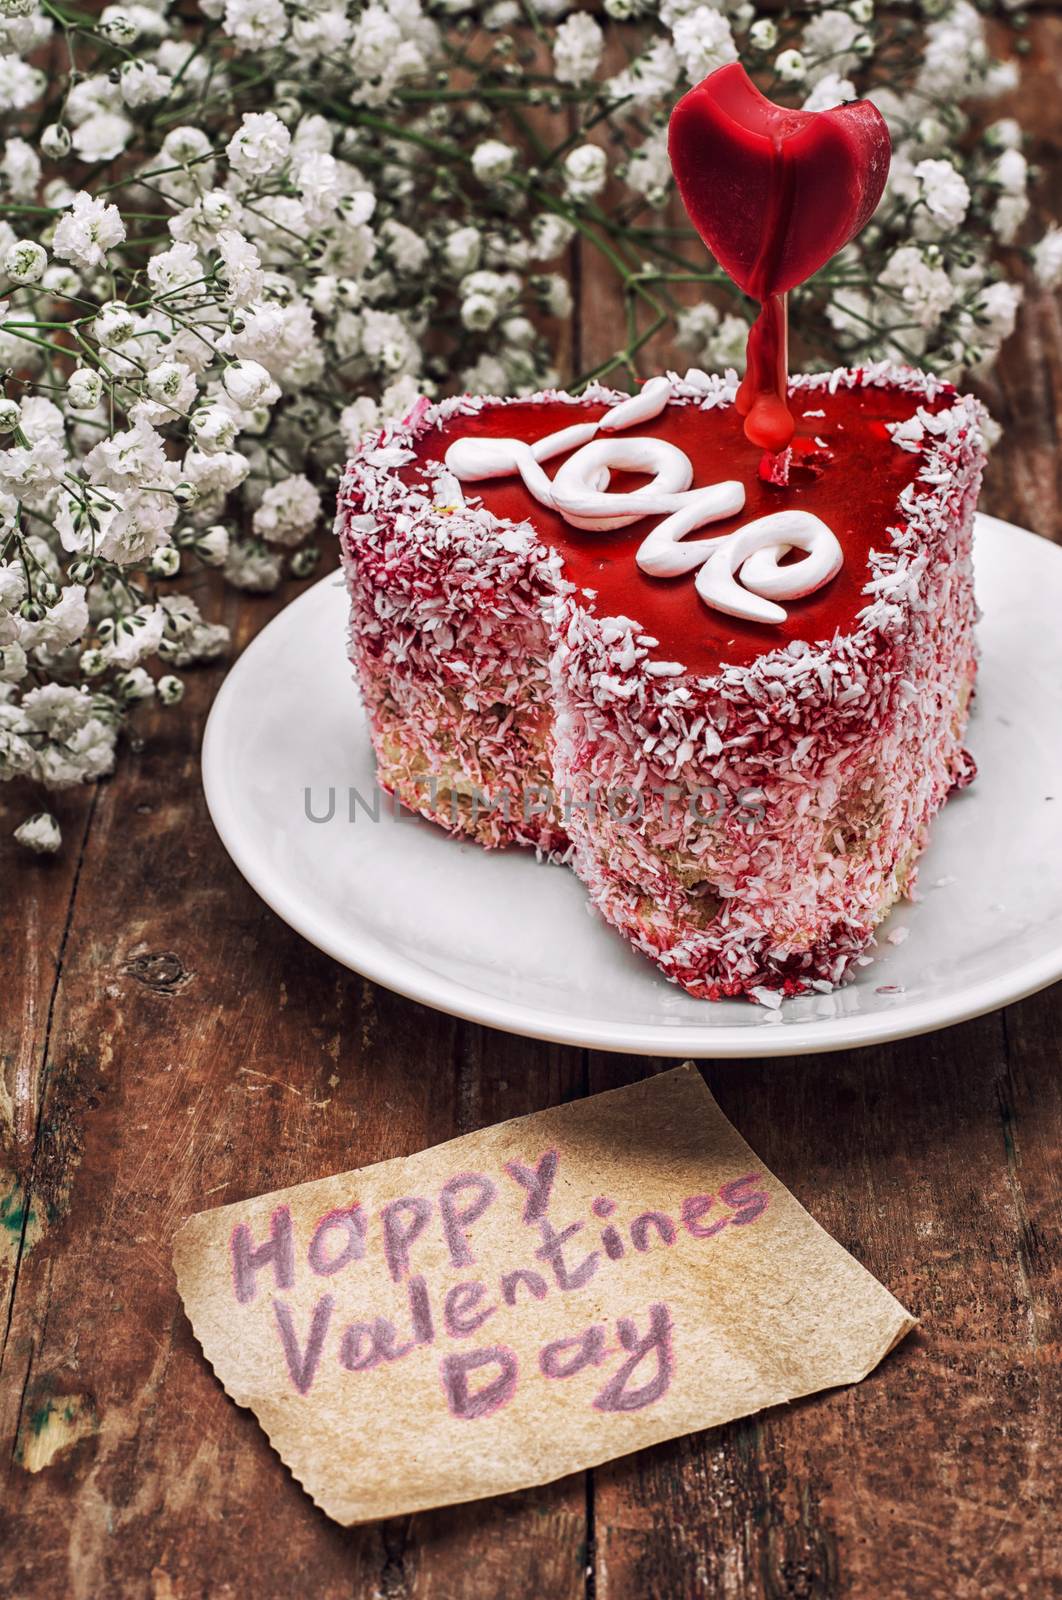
point(761, 399)
point(774, 194)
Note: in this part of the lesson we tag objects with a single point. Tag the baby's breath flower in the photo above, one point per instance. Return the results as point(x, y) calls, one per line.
point(172, 385)
point(142, 84)
point(492, 161)
point(119, 24)
point(92, 662)
point(577, 48)
point(790, 66)
point(249, 565)
point(135, 635)
point(61, 281)
point(478, 311)
point(703, 42)
point(213, 429)
point(20, 84)
point(944, 193)
point(550, 235)
point(259, 146)
point(830, 90)
point(555, 294)
point(102, 137)
point(87, 231)
point(288, 511)
point(1047, 259)
point(462, 249)
point(585, 171)
point(40, 833)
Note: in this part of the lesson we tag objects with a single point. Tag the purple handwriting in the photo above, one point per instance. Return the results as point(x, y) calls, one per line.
point(567, 1255)
point(364, 1345)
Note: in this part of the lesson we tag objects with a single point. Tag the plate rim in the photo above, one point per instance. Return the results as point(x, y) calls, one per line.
point(718, 1041)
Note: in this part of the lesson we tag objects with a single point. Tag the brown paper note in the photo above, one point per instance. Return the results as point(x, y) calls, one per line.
point(525, 1301)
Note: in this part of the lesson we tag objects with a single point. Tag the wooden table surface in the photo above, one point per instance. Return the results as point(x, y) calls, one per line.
point(167, 1045)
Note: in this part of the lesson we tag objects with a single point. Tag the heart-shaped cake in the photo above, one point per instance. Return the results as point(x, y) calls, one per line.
point(732, 696)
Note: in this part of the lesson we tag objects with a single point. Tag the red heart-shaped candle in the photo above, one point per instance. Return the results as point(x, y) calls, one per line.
point(774, 194)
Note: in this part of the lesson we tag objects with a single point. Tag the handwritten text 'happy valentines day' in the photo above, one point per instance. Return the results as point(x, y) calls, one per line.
point(343, 1238)
point(525, 1301)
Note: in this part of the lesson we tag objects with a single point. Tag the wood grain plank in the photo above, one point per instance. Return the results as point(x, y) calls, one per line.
point(35, 914)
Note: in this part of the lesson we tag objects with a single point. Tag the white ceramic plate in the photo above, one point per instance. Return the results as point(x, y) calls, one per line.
point(499, 938)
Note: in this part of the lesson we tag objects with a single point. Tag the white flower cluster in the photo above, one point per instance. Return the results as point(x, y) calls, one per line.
point(237, 237)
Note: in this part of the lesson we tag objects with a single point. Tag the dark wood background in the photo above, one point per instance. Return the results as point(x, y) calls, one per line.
point(167, 1045)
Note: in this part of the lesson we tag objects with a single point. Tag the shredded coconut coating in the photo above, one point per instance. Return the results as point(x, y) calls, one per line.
point(781, 806)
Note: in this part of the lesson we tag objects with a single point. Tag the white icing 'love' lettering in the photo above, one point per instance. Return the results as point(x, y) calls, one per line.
point(580, 493)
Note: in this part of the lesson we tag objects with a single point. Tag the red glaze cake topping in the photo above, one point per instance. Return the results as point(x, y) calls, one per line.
point(845, 469)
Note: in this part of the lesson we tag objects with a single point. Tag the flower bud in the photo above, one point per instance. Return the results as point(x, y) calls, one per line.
point(114, 323)
point(25, 261)
point(136, 684)
point(303, 562)
point(170, 689)
point(478, 311)
point(84, 389)
point(119, 26)
point(165, 561)
point(212, 545)
point(249, 385)
point(763, 35)
point(790, 66)
point(55, 142)
point(493, 161)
